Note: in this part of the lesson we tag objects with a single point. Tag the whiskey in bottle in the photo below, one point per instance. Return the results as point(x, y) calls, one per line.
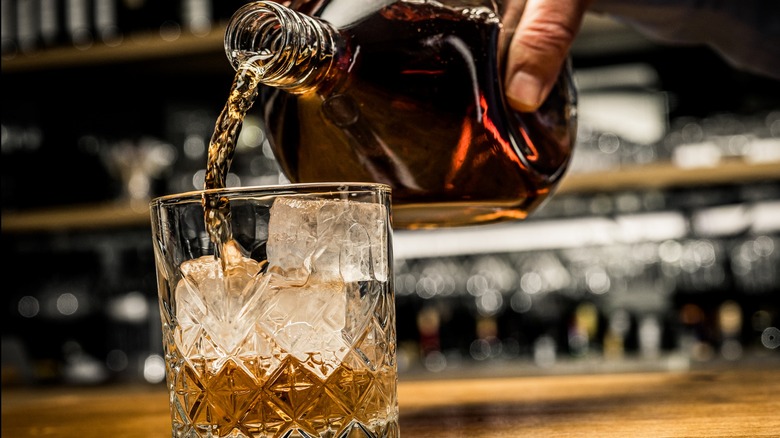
point(406, 93)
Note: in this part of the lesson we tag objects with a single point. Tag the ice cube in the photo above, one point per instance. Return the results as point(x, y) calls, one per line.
point(334, 239)
point(306, 319)
point(223, 305)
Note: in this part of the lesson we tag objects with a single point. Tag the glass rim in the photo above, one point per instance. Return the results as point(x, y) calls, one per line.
point(301, 188)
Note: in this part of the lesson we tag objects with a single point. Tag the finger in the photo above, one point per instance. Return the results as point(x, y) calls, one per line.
point(539, 48)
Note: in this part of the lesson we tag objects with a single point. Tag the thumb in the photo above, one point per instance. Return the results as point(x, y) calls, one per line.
point(538, 49)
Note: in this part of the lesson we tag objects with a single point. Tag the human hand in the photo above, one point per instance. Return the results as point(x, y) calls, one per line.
point(539, 48)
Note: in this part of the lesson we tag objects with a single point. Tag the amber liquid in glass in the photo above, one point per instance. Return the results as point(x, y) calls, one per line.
point(237, 403)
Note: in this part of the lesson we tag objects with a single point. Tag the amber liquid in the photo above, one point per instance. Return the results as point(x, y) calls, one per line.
point(222, 146)
point(418, 105)
point(422, 109)
point(236, 402)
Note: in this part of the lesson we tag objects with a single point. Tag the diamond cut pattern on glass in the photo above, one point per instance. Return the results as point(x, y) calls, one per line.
point(213, 306)
point(372, 345)
point(346, 386)
point(293, 388)
point(360, 304)
point(230, 394)
point(268, 381)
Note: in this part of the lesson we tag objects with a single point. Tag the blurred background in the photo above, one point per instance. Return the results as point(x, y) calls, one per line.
point(660, 250)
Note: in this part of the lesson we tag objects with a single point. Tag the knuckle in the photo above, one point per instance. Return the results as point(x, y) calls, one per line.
point(548, 35)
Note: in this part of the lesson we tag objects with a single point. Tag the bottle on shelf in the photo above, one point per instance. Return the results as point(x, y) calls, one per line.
point(27, 26)
point(79, 23)
point(404, 93)
point(106, 21)
point(52, 23)
point(8, 41)
point(197, 16)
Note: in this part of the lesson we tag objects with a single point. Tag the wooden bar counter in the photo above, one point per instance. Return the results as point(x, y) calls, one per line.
point(706, 403)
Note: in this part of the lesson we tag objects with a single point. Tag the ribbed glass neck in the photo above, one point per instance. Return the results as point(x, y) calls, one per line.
point(283, 48)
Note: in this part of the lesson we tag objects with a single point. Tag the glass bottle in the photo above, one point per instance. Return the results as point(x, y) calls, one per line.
point(408, 93)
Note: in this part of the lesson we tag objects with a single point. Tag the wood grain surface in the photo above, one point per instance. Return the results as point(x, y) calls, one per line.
point(722, 403)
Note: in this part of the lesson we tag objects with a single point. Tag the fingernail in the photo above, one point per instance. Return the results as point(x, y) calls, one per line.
point(524, 92)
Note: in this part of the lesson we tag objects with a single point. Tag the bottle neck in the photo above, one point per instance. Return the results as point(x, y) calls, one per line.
point(283, 48)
